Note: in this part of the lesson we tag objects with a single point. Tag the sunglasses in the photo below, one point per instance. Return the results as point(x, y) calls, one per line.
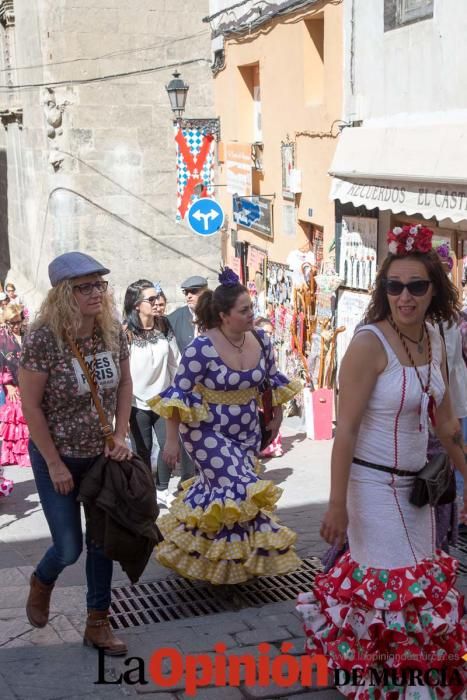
point(417, 288)
point(86, 288)
point(152, 300)
point(195, 290)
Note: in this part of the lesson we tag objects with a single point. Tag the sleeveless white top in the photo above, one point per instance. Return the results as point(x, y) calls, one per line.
point(385, 531)
point(390, 429)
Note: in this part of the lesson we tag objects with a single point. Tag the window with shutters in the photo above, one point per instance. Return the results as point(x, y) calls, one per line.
point(398, 13)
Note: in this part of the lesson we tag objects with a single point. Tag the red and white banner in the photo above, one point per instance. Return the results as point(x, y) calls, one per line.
point(195, 166)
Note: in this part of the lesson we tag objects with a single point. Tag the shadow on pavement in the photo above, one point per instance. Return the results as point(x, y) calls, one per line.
point(277, 475)
point(22, 502)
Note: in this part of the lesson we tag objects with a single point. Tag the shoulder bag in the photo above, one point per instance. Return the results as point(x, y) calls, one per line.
point(435, 484)
point(265, 416)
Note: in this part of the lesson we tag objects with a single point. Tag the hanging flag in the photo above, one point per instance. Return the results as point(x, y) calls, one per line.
point(195, 166)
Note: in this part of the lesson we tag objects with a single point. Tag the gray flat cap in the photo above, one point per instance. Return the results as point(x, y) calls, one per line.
point(194, 282)
point(71, 265)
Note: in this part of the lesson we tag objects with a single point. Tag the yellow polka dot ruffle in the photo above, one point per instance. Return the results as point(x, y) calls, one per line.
point(190, 546)
point(261, 495)
point(188, 414)
point(282, 394)
point(215, 549)
point(225, 571)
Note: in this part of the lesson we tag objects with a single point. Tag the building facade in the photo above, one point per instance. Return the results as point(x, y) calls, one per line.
point(90, 146)
point(278, 91)
point(403, 157)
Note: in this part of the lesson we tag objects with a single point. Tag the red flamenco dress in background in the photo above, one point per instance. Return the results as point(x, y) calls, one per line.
point(14, 432)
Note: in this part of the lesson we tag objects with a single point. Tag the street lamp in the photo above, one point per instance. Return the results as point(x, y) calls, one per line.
point(177, 91)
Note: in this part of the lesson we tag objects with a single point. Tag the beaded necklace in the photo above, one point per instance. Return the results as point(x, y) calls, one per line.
point(427, 402)
point(237, 347)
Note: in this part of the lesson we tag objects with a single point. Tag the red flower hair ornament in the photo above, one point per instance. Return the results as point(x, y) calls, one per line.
point(404, 240)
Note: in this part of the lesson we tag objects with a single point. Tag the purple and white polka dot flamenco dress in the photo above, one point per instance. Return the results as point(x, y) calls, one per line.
point(221, 529)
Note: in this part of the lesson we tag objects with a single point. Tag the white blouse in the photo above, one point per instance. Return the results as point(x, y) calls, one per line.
point(154, 360)
point(457, 369)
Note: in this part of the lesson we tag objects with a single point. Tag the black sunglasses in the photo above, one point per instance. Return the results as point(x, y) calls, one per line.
point(194, 290)
point(151, 300)
point(417, 288)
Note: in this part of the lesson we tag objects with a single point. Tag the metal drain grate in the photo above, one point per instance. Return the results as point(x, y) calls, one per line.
point(177, 598)
point(460, 553)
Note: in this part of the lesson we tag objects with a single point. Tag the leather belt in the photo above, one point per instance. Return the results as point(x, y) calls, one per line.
point(382, 468)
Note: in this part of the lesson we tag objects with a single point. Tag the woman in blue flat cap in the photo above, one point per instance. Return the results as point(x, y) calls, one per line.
point(66, 435)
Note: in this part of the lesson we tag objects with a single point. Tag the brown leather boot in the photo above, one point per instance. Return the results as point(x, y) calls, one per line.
point(37, 606)
point(98, 634)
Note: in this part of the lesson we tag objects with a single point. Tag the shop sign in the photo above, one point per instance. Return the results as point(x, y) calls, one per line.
point(238, 165)
point(428, 199)
point(242, 206)
point(255, 259)
point(288, 164)
point(351, 308)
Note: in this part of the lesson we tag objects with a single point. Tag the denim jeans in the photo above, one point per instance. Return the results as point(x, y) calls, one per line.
point(63, 515)
point(142, 423)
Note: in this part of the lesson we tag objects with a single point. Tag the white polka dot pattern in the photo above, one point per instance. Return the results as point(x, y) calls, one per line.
point(216, 529)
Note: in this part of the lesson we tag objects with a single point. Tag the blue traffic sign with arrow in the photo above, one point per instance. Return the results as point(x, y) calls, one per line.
point(205, 216)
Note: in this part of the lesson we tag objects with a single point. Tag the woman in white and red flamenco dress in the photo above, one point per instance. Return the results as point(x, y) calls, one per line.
point(389, 603)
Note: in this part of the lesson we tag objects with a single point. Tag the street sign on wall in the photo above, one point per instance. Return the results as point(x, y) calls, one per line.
point(246, 211)
point(205, 216)
point(254, 213)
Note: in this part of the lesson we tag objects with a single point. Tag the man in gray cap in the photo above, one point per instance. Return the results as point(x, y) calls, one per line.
point(182, 320)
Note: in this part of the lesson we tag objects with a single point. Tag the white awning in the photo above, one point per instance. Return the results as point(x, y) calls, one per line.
point(416, 169)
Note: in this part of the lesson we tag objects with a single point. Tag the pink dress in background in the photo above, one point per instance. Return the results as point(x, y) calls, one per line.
point(14, 432)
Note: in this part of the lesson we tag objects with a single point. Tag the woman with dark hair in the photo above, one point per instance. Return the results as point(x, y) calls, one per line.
point(221, 529)
point(154, 358)
point(389, 604)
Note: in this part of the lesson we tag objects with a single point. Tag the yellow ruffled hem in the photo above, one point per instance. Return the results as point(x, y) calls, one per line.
point(165, 408)
point(261, 495)
point(225, 571)
point(282, 394)
point(213, 550)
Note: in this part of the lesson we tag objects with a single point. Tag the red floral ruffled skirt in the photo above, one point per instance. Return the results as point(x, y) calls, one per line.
point(14, 435)
point(400, 620)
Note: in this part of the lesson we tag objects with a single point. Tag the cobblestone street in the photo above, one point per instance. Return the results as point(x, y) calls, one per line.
point(51, 663)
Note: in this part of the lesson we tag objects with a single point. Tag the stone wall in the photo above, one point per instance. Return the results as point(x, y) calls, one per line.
point(93, 166)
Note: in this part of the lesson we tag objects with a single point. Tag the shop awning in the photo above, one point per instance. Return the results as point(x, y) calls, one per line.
point(411, 169)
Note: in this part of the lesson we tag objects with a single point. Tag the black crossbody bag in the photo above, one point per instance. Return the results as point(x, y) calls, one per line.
point(435, 484)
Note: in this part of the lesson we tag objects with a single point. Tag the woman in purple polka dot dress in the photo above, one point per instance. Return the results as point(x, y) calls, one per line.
point(221, 529)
